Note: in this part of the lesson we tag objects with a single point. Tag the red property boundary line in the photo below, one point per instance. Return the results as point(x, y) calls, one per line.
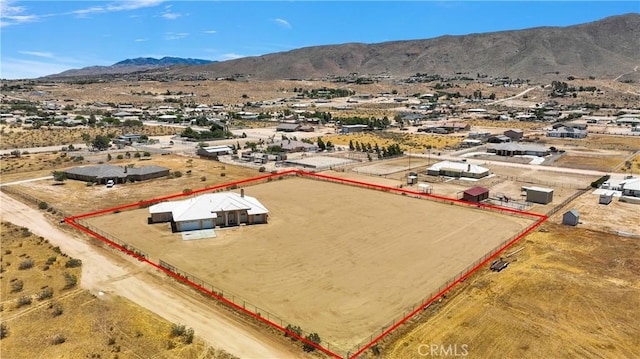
point(72, 221)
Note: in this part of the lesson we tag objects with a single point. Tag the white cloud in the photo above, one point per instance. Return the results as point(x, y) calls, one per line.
point(283, 23)
point(25, 69)
point(210, 31)
point(116, 6)
point(141, 40)
point(14, 15)
point(37, 54)
point(171, 15)
point(175, 35)
point(231, 56)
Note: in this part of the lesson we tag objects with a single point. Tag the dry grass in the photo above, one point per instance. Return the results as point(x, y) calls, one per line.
point(42, 137)
point(604, 142)
point(92, 327)
point(570, 293)
point(83, 198)
point(596, 163)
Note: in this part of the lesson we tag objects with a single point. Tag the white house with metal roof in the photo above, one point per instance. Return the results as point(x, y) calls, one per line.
point(457, 170)
point(224, 209)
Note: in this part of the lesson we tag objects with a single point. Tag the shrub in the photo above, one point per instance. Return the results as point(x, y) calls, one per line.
point(4, 331)
point(294, 329)
point(45, 294)
point(70, 280)
point(16, 286)
point(137, 155)
point(146, 154)
point(73, 263)
point(597, 183)
point(120, 157)
point(22, 301)
point(51, 260)
point(262, 169)
point(26, 264)
point(43, 205)
point(57, 310)
point(58, 339)
point(177, 174)
point(177, 330)
point(188, 336)
point(203, 178)
point(186, 190)
point(222, 174)
point(313, 337)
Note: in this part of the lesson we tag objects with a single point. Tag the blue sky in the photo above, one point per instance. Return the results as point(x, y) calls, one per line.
point(39, 38)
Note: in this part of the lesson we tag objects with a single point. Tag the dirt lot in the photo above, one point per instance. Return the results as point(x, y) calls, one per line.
point(331, 264)
point(76, 197)
point(614, 217)
point(571, 292)
point(91, 326)
point(592, 159)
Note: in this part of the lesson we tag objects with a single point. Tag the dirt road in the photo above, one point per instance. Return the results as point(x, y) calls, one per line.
point(103, 277)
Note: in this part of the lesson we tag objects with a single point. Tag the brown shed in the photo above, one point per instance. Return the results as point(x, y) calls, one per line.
point(475, 194)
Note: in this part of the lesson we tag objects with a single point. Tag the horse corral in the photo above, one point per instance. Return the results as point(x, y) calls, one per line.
point(317, 263)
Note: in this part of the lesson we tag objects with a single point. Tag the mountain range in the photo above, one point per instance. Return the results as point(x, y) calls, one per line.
point(132, 65)
point(604, 49)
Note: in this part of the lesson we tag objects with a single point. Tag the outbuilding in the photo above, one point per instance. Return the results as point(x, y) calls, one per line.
point(539, 194)
point(475, 194)
point(571, 218)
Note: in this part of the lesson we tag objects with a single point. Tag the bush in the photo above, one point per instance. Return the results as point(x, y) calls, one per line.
point(73, 263)
point(51, 260)
point(313, 337)
point(16, 286)
point(57, 310)
point(45, 294)
point(262, 169)
point(294, 329)
point(137, 155)
point(43, 205)
point(120, 157)
point(222, 174)
point(146, 154)
point(58, 339)
point(4, 331)
point(177, 174)
point(177, 330)
point(597, 183)
point(186, 190)
point(22, 301)
point(188, 336)
point(70, 281)
point(26, 264)
point(203, 178)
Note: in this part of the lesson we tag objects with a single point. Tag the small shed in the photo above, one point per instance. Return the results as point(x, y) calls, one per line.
point(412, 178)
point(425, 188)
point(571, 218)
point(539, 194)
point(475, 194)
point(606, 198)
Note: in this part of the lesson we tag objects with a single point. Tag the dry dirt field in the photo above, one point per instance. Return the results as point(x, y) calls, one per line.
point(409, 142)
point(614, 217)
point(597, 142)
point(72, 322)
point(76, 197)
point(592, 159)
point(570, 293)
point(317, 263)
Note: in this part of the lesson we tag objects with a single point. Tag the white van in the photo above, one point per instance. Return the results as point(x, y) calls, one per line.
point(110, 183)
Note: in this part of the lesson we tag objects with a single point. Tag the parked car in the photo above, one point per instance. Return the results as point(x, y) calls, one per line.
point(110, 183)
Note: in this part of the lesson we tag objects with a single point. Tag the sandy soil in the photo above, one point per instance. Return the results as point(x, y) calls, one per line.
point(318, 264)
point(570, 293)
point(102, 272)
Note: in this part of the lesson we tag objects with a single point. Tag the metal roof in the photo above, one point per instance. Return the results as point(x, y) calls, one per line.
point(206, 206)
point(476, 191)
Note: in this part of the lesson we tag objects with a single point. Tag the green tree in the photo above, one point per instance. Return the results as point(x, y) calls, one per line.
point(59, 176)
point(351, 146)
point(314, 338)
point(321, 145)
point(100, 142)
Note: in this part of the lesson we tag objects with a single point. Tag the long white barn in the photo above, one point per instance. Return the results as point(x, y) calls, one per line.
point(211, 210)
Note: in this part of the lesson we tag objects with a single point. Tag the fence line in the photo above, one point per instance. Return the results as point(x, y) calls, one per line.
point(32, 199)
point(241, 302)
point(541, 182)
point(555, 209)
point(427, 301)
point(112, 238)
